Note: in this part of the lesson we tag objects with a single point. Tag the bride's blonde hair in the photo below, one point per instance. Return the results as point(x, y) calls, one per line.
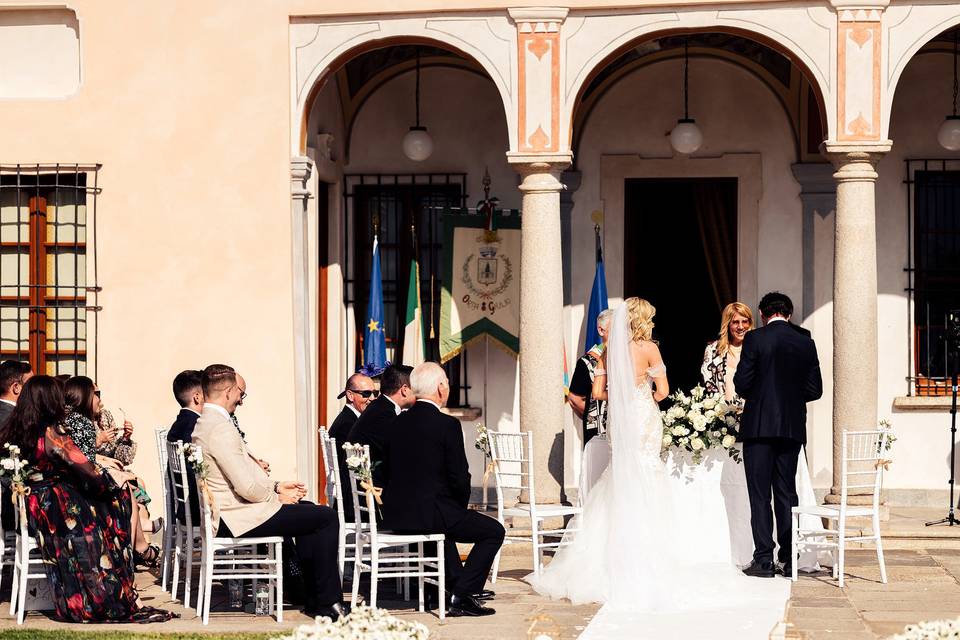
point(641, 315)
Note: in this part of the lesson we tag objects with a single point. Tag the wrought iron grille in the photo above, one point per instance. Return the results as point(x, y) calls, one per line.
point(933, 269)
point(392, 203)
point(48, 270)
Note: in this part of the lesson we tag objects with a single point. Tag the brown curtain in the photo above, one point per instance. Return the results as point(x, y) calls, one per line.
point(716, 218)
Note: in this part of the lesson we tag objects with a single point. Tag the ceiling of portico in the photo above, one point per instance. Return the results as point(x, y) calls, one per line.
point(775, 69)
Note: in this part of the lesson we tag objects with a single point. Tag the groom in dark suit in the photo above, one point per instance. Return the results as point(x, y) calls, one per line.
point(778, 374)
point(428, 488)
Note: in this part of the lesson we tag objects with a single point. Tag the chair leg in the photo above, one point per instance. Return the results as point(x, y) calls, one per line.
point(374, 573)
point(496, 568)
point(177, 552)
point(422, 567)
point(442, 581)
point(208, 585)
point(840, 550)
point(22, 591)
point(188, 574)
point(201, 582)
point(279, 582)
point(165, 555)
point(883, 566)
point(795, 544)
point(14, 588)
point(535, 539)
point(357, 571)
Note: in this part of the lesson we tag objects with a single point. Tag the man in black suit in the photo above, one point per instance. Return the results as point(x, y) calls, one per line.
point(374, 426)
point(359, 393)
point(778, 374)
point(428, 488)
point(188, 390)
point(13, 375)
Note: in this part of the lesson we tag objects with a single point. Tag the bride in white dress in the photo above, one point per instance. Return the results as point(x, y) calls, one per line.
point(626, 553)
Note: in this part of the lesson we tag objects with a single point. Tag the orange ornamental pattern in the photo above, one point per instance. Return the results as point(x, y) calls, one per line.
point(858, 93)
point(538, 66)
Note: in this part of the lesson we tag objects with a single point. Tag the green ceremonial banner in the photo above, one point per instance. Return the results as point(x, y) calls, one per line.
point(481, 284)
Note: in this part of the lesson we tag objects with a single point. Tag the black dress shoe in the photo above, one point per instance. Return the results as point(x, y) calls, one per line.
point(786, 570)
point(468, 606)
point(334, 611)
point(760, 569)
point(484, 594)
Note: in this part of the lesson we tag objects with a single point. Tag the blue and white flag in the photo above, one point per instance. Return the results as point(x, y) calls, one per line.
point(374, 338)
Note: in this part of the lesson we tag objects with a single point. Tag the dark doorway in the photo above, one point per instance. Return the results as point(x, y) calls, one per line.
point(680, 253)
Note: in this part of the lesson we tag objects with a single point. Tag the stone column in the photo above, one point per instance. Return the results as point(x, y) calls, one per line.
point(301, 169)
point(541, 318)
point(854, 293)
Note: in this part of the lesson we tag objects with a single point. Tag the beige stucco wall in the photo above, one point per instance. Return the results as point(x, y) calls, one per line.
point(186, 106)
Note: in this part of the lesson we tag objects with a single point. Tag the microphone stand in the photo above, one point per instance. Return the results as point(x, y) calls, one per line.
point(951, 519)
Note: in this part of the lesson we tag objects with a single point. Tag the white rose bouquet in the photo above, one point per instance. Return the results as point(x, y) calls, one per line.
point(362, 622)
point(194, 456)
point(698, 421)
point(358, 461)
point(482, 442)
point(12, 467)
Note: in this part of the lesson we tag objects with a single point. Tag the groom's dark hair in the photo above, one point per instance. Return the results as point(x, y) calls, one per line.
point(776, 303)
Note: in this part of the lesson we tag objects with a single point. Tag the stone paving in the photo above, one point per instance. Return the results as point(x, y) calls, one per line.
point(923, 568)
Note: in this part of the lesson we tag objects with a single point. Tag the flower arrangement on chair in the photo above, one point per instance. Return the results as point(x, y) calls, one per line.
point(358, 461)
point(194, 456)
point(700, 421)
point(16, 471)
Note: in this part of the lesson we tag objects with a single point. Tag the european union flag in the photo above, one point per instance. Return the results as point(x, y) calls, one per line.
point(598, 298)
point(374, 338)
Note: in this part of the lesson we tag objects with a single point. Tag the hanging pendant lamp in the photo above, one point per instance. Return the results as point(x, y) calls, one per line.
point(949, 134)
point(417, 143)
point(686, 137)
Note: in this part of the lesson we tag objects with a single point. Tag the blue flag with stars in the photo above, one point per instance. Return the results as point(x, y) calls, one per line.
point(374, 338)
point(598, 299)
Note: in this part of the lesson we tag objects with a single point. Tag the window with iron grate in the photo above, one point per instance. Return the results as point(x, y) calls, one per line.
point(48, 285)
point(934, 199)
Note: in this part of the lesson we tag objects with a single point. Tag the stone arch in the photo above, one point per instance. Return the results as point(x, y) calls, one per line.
point(805, 36)
point(319, 49)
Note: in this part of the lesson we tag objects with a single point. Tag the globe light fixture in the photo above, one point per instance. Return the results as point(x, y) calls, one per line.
point(686, 137)
point(417, 143)
point(949, 134)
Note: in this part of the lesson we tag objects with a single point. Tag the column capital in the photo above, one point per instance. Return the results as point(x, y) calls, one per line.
point(855, 160)
point(301, 169)
point(540, 172)
point(538, 19)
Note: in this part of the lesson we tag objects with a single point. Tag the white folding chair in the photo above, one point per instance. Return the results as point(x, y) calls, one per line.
point(186, 534)
point(170, 516)
point(372, 555)
point(8, 542)
point(236, 559)
point(27, 563)
point(861, 468)
point(334, 491)
point(512, 455)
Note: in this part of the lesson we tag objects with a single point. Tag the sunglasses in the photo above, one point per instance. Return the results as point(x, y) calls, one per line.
point(366, 393)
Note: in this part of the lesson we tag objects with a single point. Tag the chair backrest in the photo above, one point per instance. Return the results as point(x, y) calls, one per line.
point(512, 455)
point(334, 490)
point(178, 470)
point(161, 438)
point(206, 509)
point(363, 502)
point(861, 466)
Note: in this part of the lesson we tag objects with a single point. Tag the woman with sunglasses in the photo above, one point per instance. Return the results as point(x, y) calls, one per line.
point(84, 408)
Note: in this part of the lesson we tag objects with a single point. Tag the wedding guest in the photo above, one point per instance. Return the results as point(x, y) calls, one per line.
point(428, 489)
point(188, 392)
point(13, 375)
point(242, 385)
point(721, 357)
point(83, 405)
point(778, 374)
point(374, 425)
point(91, 573)
point(592, 412)
point(247, 503)
point(359, 393)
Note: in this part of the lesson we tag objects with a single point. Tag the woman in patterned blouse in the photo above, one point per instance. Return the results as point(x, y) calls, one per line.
point(721, 357)
point(83, 400)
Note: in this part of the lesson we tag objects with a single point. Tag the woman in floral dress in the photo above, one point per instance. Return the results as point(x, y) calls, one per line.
point(77, 513)
point(83, 406)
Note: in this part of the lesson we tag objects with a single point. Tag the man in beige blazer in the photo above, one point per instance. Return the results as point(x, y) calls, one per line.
point(248, 504)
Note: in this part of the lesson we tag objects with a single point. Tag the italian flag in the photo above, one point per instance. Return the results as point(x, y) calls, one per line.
point(413, 344)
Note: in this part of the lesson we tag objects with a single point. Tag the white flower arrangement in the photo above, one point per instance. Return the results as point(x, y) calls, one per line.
point(363, 623)
point(482, 442)
point(194, 455)
point(698, 421)
point(358, 462)
point(886, 425)
point(935, 630)
point(13, 467)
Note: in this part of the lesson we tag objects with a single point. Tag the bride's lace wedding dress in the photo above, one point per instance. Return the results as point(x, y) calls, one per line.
point(632, 551)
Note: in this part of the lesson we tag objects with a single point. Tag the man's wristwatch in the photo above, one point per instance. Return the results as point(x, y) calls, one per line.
point(276, 487)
